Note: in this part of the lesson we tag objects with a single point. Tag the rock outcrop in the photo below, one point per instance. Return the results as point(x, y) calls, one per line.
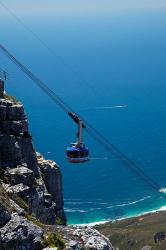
point(31, 198)
point(52, 179)
point(84, 238)
point(19, 233)
point(37, 182)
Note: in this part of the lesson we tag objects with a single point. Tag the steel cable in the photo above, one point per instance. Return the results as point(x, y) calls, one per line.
point(90, 130)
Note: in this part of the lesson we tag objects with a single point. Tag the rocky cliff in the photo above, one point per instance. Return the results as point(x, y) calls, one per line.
point(26, 173)
point(31, 200)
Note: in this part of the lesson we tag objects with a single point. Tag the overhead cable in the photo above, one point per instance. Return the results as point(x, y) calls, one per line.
point(103, 141)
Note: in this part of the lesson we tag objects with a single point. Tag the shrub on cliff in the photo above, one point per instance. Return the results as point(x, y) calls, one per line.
point(54, 240)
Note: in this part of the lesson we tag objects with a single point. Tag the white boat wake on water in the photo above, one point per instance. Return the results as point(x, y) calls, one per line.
point(107, 107)
point(113, 107)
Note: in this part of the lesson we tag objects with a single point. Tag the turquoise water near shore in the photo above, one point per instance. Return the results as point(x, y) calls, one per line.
point(123, 59)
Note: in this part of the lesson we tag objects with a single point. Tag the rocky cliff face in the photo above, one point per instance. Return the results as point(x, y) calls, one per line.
point(31, 191)
point(25, 173)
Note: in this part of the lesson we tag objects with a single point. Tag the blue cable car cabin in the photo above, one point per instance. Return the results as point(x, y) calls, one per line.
point(77, 152)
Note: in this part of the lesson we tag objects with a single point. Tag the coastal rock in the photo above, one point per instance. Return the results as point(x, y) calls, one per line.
point(28, 153)
point(30, 187)
point(84, 238)
point(21, 174)
point(73, 245)
point(12, 127)
point(40, 186)
point(16, 145)
point(15, 113)
point(93, 239)
point(43, 207)
point(18, 127)
point(20, 234)
point(53, 181)
point(20, 189)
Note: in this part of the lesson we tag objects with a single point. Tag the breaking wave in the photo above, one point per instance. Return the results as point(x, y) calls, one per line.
point(73, 210)
point(85, 202)
point(130, 203)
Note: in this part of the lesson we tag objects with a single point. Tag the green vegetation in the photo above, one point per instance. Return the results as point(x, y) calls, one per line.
point(54, 240)
point(58, 221)
point(34, 220)
point(20, 202)
point(4, 199)
point(135, 233)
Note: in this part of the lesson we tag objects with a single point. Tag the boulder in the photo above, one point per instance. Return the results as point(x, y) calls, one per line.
point(20, 234)
point(73, 245)
point(92, 239)
point(83, 238)
point(20, 189)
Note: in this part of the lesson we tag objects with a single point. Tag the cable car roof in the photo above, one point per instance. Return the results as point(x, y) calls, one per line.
point(77, 149)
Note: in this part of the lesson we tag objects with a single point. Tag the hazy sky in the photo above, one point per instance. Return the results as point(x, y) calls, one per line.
point(83, 6)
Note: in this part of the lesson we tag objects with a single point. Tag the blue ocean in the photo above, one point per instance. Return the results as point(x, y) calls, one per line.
point(110, 68)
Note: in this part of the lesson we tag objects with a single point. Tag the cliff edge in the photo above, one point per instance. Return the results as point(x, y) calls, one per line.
point(31, 198)
point(25, 173)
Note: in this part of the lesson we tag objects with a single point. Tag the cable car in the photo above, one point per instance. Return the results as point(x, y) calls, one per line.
point(77, 152)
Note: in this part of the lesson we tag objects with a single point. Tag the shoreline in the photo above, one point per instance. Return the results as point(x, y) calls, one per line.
point(138, 231)
point(92, 224)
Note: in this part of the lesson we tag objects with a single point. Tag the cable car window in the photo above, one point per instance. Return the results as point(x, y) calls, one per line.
point(81, 153)
point(74, 154)
point(86, 153)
